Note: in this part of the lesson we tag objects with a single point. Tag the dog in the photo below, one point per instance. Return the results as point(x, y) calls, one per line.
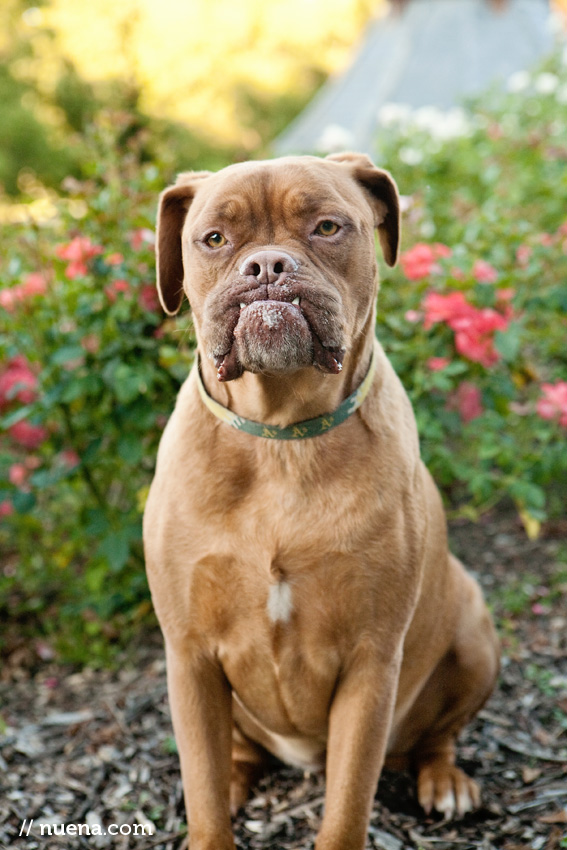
point(296, 545)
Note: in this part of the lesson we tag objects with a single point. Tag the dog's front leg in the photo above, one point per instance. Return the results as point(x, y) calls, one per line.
point(359, 723)
point(200, 699)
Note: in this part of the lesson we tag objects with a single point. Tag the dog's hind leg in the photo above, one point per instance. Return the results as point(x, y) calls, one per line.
point(249, 763)
point(458, 687)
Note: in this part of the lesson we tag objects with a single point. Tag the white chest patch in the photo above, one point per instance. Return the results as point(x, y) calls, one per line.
point(280, 603)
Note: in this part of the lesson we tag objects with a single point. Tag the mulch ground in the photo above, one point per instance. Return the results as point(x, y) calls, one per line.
point(97, 748)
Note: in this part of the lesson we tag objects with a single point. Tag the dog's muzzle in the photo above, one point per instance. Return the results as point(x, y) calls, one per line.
point(275, 317)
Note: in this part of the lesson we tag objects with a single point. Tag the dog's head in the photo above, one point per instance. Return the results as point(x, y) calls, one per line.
point(277, 258)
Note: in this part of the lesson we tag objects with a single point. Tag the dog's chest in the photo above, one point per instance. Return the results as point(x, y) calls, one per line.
point(283, 619)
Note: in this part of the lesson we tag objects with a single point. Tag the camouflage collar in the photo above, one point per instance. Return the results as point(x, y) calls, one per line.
point(299, 430)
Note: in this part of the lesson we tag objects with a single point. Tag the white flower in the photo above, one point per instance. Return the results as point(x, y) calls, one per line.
point(391, 114)
point(427, 117)
point(440, 124)
point(427, 230)
point(455, 123)
point(519, 81)
point(406, 203)
point(546, 83)
point(411, 156)
point(335, 138)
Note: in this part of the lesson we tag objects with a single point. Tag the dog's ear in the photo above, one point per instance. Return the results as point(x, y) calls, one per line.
point(382, 194)
point(174, 203)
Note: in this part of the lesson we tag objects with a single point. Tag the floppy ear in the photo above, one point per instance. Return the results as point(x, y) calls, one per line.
point(173, 206)
point(382, 194)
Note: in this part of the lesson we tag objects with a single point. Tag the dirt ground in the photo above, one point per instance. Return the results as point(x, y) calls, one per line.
point(96, 748)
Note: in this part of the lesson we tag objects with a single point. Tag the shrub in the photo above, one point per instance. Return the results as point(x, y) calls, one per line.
point(89, 370)
point(475, 318)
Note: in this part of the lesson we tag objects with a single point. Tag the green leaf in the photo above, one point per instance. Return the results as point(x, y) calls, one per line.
point(115, 549)
point(67, 353)
point(508, 342)
point(23, 502)
point(130, 449)
point(16, 416)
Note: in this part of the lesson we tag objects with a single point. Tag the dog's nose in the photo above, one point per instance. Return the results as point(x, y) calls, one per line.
point(268, 266)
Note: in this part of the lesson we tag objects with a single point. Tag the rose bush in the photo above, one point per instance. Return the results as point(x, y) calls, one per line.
point(89, 370)
point(475, 319)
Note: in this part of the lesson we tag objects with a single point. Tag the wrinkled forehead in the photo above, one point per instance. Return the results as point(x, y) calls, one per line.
point(293, 187)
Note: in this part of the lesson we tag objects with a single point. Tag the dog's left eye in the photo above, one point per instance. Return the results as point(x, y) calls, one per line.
point(215, 240)
point(327, 228)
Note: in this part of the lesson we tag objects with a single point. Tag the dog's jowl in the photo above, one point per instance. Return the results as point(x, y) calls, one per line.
point(296, 545)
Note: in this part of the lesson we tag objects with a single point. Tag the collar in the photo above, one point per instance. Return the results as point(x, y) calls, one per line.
point(299, 430)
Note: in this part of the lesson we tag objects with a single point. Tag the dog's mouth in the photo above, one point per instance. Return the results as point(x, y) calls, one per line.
point(277, 332)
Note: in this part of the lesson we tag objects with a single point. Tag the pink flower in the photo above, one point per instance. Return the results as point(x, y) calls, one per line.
point(114, 259)
point(142, 236)
point(9, 297)
point(44, 650)
point(70, 458)
point(419, 261)
point(91, 343)
point(6, 508)
point(18, 375)
point(523, 254)
point(553, 404)
point(457, 273)
point(505, 294)
point(78, 251)
point(437, 364)
point(17, 474)
point(117, 286)
point(474, 329)
point(545, 239)
point(467, 400)
point(441, 250)
point(483, 272)
point(445, 308)
point(29, 436)
point(148, 298)
point(34, 284)
point(474, 335)
point(413, 316)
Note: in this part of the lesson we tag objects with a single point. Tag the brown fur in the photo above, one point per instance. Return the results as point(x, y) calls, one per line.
point(388, 649)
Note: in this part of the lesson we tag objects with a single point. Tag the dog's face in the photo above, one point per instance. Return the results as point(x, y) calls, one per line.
point(277, 258)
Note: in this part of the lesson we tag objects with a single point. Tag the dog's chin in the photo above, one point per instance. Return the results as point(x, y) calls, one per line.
point(273, 337)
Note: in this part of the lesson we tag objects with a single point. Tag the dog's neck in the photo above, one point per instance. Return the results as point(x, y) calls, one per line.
point(283, 400)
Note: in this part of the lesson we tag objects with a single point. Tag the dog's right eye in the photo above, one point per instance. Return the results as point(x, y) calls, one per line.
point(215, 240)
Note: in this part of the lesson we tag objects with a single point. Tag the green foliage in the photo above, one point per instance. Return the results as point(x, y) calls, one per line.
point(493, 194)
point(23, 139)
point(97, 369)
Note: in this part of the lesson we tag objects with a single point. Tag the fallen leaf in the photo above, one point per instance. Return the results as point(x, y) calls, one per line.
point(529, 774)
point(556, 817)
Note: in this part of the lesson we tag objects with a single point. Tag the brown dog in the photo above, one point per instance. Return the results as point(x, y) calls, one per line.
point(298, 562)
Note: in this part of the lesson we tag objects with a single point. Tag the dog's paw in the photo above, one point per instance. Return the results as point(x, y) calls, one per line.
point(447, 789)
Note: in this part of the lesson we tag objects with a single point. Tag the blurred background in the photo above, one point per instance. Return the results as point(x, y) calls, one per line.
point(212, 81)
point(215, 82)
